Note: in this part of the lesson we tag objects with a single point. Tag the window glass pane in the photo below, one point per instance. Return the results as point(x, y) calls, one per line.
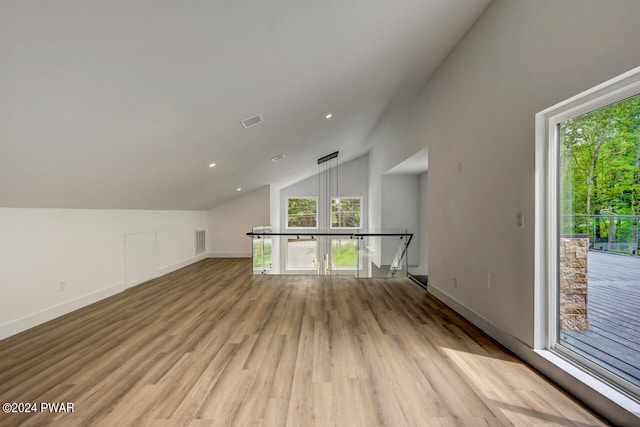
point(302, 212)
point(345, 212)
point(301, 253)
point(344, 253)
point(599, 210)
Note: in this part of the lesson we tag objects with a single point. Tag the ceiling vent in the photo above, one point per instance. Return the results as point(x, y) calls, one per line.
point(252, 121)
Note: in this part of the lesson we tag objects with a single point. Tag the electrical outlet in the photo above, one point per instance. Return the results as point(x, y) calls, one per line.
point(62, 287)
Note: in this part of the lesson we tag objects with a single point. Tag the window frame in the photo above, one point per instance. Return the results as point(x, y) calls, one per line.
point(547, 224)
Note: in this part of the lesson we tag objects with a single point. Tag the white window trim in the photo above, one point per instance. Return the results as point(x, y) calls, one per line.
point(546, 231)
point(331, 212)
point(287, 213)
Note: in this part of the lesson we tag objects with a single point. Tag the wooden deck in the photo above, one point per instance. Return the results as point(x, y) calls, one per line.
point(614, 315)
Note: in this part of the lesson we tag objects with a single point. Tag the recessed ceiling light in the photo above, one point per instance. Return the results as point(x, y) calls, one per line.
point(239, 189)
point(278, 158)
point(212, 165)
point(328, 116)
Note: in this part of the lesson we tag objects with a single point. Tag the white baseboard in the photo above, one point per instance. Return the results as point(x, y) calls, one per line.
point(504, 338)
point(35, 319)
point(601, 397)
point(177, 266)
point(229, 254)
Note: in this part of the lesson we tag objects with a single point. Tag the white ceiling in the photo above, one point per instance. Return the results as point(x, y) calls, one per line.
point(124, 103)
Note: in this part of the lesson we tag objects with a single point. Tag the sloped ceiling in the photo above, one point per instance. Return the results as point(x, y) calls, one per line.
point(124, 103)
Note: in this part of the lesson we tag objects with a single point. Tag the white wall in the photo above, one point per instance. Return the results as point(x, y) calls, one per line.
point(83, 248)
point(274, 216)
point(401, 211)
point(229, 224)
point(392, 142)
point(478, 112)
point(477, 117)
point(422, 237)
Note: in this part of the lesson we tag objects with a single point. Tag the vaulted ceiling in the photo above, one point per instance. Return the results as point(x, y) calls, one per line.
point(125, 103)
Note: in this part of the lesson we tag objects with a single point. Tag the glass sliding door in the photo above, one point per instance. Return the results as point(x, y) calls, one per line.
point(596, 286)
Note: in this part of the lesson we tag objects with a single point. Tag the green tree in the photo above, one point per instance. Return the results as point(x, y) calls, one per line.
point(345, 212)
point(600, 160)
point(302, 212)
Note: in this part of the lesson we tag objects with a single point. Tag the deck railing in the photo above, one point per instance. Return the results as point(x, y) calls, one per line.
point(609, 232)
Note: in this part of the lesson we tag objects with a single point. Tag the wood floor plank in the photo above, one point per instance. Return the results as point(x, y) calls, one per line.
point(211, 345)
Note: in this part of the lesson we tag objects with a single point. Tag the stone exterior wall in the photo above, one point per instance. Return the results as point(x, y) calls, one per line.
point(574, 251)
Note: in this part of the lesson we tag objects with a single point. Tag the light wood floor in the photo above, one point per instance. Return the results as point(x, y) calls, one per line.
point(210, 345)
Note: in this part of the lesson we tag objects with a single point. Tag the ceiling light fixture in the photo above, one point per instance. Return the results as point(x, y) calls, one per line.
point(328, 116)
point(211, 165)
point(239, 189)
point(278, 158)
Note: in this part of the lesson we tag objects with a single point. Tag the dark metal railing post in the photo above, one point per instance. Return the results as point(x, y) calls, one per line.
point(635, 237)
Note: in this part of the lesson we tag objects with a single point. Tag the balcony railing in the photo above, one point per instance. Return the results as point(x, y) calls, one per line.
point(356, 252)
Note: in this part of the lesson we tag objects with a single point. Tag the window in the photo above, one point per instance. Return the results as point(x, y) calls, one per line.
point(589, 202)
point(302, 254)
point(302, 212)
point(344, 253)
point(346, 212)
